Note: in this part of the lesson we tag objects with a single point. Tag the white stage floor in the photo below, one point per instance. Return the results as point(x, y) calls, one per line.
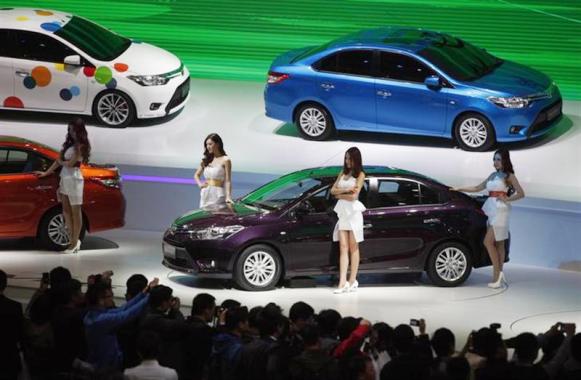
point(535, 299)
point(547, 168)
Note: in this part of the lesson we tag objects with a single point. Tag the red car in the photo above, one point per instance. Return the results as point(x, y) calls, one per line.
point(29, 205)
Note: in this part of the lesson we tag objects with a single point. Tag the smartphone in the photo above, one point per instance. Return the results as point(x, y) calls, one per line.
point(414, 322)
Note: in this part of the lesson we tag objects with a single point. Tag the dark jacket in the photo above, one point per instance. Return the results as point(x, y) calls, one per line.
point(225, 359)
point(172, 331)
point(314, 365)
point(197, 348)
point(11, 330)
point(69, 335)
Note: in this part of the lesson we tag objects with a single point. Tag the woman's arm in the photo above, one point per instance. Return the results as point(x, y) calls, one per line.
point(197, 176)
point(519, 192)
point(473, 189)
point(228, 180)
point(353, 194)
point(49, 171)
point(335, 190)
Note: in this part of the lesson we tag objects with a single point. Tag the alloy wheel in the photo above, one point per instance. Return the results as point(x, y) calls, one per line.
point(473, 132)
point(57, 230)
point(113, 108)
point(451, 264)
point(313, 122)
point(259, 268)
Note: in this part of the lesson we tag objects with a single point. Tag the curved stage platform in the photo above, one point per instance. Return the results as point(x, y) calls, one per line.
point(535, 298)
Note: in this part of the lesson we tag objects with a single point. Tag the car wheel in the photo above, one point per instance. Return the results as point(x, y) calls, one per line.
point(52, 232)
point(114, 109)
point(449, 264)
point(258, 268)
point(314, 122)
point(474, 132)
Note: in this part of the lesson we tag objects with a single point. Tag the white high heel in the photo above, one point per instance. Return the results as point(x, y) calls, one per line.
point(500, 281)
point(77, 247)
point(344, 289)
point(354, 286)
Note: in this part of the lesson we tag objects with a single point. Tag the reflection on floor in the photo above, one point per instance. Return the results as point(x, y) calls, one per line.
point(535, 299)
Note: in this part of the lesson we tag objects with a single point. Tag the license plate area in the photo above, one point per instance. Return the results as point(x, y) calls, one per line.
point(169, 251)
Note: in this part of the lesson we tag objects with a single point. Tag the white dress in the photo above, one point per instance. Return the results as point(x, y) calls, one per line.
point(350, 213)
point(213, 196)
point(498, 211)
point(71, 181)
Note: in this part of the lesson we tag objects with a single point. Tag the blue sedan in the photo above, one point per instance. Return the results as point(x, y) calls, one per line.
point(411, 81)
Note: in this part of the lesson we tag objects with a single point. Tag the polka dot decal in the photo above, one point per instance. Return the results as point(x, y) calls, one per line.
point(103, 75)
point(121, 67)
point(111, 84)
point(50, 26)
point(22, 18)
point(59, 66)
point(66, 94)
point(29, 83)
point(75, 90)
point(43, 13)
point(13, 102)
point(89, 71)
point(41, 75)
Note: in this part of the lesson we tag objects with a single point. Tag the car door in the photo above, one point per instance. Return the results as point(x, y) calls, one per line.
point(42, 80)
point(23, 196)
point(6, 71)
point(308, 233)
point(347, 88)
point(391, 225)
point(404, 103)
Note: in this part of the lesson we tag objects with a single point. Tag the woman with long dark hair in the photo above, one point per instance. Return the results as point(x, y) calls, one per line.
point(497, 208)
point(76, 150)
point(349, 229)
point(216, 167)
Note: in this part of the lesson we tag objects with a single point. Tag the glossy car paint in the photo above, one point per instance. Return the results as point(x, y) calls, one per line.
point(25, 199)
point(371, 103)
point(400, 239)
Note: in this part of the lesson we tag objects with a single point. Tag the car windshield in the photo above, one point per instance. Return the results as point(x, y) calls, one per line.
point(93, 39)
point(281, 192)
point(459, 59)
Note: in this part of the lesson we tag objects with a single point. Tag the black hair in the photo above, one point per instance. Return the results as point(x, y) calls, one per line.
point(486, 342)
point(403, 338)
point(254, 317)
point(346, 327)
point(158, 295)
point(58, 276)
point(64, 293)
point(526, 347)
point(270, 319)
point(444, 342)
point(202, 302)
point(301, 310)
point(208, 157)
point(328, 321)
point(148, 343)
point(385, 335)
point(310, 334)
point(505, 160)
point(576, 347)
point(3, 280)
point(135, 284)
point(230, 303)
point(235, 316)
point(96, 291)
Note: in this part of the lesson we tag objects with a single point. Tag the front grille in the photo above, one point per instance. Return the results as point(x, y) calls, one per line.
point(179, 95)
point(546, 117)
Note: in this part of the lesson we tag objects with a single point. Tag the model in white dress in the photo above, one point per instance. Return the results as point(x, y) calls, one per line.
point(496, 209)
point(350, 213)
point(71, 180)
point(214, 194)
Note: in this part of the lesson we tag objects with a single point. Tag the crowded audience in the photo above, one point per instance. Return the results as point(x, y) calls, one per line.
point(74, 331)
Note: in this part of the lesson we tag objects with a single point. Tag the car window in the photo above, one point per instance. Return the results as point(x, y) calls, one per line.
point(19, 161)
point(396, 193)
point(323, 201)
point(404, 68)
point(5, 43)
point(40, 47)
point(355, 62)
point(281, 192)
point(430, 196)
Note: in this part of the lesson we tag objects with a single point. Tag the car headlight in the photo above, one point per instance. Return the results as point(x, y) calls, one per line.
point(213, 233)
point(512, 102)
point(149, 80)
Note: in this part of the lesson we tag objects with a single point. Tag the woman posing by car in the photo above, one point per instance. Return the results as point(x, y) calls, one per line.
point(216, 167)
point(76, 150)
point(349, 229)
point(497, 208)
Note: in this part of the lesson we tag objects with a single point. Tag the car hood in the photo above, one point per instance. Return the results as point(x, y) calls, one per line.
point(146, 59)
point(237, 213)
point(513, 79)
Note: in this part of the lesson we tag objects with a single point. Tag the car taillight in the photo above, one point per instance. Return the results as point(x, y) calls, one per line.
point(109, 182)
point(274, 77)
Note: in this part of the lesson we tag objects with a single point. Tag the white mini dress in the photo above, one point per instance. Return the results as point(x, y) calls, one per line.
point(71, 180)
point(350, 213)
point(498, 211)
point(212, 196)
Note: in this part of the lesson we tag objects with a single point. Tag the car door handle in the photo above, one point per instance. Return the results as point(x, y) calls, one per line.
point(432, 220)
point(367, 225)
point(327, 86)
point(383, 93)
point(42, 187)
point(22, 73)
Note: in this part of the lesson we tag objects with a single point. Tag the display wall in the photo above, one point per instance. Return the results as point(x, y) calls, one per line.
point(237, 39)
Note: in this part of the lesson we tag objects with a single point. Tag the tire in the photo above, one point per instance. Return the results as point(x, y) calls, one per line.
point(449, 264)
point(314, 122)
point(52, 233)
point(114, 109)
point(254, 278)
point(473, 132)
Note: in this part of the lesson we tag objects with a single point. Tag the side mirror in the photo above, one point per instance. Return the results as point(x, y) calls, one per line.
point(433, 81)
point(74, 60)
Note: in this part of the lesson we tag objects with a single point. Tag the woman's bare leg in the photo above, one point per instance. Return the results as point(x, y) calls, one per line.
point(353, 257)
point(77, 222)
point(343, 257)
point(490, 244)
point(501, 254)
point(67, 214)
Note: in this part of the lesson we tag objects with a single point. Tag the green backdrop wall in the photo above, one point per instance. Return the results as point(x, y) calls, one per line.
point(237, 39)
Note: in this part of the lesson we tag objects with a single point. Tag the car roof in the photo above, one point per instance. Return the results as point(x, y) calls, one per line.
point(333, 171)
point(33, 19)
point(403, 38)
point(20, 142)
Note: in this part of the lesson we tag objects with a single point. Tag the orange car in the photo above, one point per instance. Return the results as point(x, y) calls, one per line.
point(29, 205)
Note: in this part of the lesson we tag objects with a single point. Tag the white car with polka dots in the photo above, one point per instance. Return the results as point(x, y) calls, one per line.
point(56, 62)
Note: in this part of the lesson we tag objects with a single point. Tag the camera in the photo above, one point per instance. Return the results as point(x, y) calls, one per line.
point(495, 326)
point(414, 322)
